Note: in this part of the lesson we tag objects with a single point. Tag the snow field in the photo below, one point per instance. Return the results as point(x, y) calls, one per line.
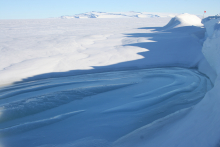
point(56, 68)
point(35, 47)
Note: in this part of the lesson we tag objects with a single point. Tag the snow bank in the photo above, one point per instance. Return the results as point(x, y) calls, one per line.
point(184, 20)
point(198, 126)
point(211, 46)
point(209, 24)
point(202, 124)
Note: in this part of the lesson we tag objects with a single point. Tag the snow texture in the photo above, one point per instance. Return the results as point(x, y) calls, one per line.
point(110, 82)
point(200, 126)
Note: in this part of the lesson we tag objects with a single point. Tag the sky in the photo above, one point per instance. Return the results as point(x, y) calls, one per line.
point(38, 9)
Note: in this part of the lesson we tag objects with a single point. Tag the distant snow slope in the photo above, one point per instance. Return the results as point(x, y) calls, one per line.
point(131, 14)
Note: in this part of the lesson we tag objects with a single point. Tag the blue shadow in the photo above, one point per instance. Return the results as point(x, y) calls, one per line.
point(177, 47)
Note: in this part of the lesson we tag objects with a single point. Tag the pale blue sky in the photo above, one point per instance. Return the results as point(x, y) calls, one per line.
point(34, 9)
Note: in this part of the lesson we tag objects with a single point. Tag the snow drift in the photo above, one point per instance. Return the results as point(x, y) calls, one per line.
point(184, 20)
point(196, 127)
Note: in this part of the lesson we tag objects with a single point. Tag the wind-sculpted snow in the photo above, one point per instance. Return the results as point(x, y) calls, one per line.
point(30, 88)
point(35, 124)
point(137, 97)
point(44, 102)
point(184, 20)
point(194, 127)
point(179, 80)
point(39, 49)
point(45, 81)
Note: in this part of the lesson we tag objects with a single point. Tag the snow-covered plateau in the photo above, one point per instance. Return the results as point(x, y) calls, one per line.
point(133, 81)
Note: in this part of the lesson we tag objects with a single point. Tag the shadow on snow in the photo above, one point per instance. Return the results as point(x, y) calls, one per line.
point(175, 47)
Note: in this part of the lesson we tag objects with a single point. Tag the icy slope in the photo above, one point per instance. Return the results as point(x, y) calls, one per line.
point(200, 127)
point(104, 106)
point(211, 46)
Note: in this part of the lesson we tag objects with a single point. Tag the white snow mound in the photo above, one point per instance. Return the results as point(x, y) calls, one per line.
point(184, 20)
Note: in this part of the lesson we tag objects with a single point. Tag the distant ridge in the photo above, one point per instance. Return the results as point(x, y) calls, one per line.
point(130, 14)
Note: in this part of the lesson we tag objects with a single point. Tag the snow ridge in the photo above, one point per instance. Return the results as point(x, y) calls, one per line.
point(130, 14)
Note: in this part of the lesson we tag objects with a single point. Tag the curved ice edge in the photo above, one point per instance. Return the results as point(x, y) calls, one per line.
point(142, 134)
point(138, 105)
point(36, 124)
point(33, 105)
point(36, 88)
point(178, 80)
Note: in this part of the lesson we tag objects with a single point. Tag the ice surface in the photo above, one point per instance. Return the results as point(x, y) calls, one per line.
point(109, 100)
point(36, 124)
point(52, 69)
